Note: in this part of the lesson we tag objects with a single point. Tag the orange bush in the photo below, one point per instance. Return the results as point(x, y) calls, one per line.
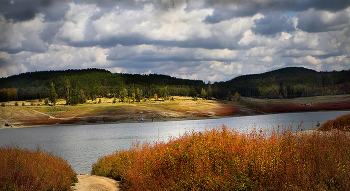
point(341, 123)
point(22, 169)
point(227, 160)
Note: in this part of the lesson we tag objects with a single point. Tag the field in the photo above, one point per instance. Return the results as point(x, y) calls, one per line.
point(35, 113)
point(228, 160)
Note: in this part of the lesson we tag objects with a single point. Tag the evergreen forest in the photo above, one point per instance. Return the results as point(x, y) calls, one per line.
point(77, 86)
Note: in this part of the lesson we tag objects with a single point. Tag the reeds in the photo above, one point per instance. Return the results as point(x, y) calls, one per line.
point(227, 160)
point(22, 169)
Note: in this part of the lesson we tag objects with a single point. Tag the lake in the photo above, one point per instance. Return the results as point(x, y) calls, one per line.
point(82, 145)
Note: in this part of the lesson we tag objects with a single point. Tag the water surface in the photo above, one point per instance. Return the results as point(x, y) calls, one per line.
point(82, 145)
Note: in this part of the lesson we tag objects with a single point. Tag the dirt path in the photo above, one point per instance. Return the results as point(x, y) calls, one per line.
point(95, 183)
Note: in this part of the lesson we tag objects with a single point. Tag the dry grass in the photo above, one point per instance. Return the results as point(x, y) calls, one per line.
point(227, 160)
point(26, 170)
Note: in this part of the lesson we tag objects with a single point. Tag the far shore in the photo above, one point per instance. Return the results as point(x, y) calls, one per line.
point(35, 113)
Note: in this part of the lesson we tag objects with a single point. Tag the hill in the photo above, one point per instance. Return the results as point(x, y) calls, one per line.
point(289, 82)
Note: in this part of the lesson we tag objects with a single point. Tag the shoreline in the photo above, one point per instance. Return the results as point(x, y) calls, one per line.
point(123, 121)
point(180, 109)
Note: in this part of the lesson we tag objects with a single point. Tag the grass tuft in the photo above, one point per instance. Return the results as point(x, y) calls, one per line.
point(227, 160)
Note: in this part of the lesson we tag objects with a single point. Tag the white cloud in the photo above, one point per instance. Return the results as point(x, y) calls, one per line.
point(268, 59)
point(285, 36)
point(77, 18)
point(62, 56)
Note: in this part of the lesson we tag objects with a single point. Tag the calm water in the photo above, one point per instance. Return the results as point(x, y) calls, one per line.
point(82, 145)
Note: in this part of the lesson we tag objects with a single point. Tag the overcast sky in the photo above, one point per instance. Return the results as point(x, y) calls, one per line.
point(210, 40)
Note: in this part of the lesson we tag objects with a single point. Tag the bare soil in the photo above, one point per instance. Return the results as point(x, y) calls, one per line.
point(95, 183)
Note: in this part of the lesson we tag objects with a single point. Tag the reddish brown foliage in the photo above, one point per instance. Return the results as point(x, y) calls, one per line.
point(227, 160)
point(341, 123)
point(22, 169)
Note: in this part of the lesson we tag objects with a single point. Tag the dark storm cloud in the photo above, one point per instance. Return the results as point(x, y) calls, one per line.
point(19, 10)
point(273, 24)
point(222, 14)
point(50, 31)
point(320, 21)
point(54, 10)
point(249, 8)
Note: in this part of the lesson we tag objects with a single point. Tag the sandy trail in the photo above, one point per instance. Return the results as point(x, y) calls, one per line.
point(95, 183)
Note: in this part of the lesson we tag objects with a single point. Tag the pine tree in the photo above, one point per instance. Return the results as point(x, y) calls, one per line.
point(67, 86)
point(229, 96)
point(53, 95)
point(133, 97)
point(203, 93)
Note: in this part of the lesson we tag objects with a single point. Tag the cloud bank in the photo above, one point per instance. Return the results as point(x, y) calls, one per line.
point(210, 40)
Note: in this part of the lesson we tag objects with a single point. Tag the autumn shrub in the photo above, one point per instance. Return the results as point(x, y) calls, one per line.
point(227, 160)
point(340, 123)
point(22, 169)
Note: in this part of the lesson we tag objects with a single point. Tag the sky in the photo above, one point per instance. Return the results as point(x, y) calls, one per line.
point(209, 40)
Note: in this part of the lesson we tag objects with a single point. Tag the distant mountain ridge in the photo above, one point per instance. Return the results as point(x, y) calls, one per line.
point(278, 73)
point(297, 79)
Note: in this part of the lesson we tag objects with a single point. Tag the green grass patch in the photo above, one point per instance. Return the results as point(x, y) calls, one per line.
point(227, 160)
point(22, 169)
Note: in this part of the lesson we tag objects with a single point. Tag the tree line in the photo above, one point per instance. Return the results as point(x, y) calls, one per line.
point(77, 86)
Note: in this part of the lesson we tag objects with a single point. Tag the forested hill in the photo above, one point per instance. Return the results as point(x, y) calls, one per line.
point(79, 85)
point(290, 82)
point(92, 83)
